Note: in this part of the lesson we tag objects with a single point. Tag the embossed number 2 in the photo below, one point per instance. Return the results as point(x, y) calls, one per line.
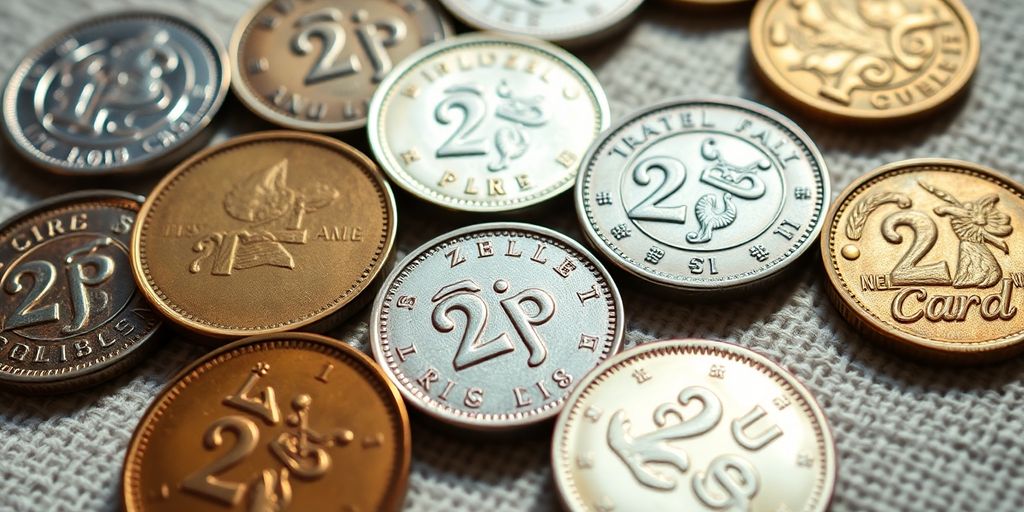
point(325, 25)
point(471, 102)
point(203, 482)
point(907, 272)
point(651, 208)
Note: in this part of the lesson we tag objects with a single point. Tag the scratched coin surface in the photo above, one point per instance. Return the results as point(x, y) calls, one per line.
point(121, 92)
point(703, 195)
point(70, 313)
point(313, 65)
point(277, 422)
point(567, 23)
point(924, 254)
point(865, 61)
point(484, 123)
point(265, 233)
point(693, 425)
point(489, 327)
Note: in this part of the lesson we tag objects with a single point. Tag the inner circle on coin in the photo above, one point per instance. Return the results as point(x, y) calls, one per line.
point(693, 425)
point(489, 327)
point(119, 92)
point(561, 22)
point(698, 194)
point(313, 65)
point(483, 123)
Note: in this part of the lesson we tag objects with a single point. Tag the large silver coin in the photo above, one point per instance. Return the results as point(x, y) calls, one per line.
point(483, 123)
point(702, 195)
point(120, 92)
point(693, 425)
point(567, 23)
point(489, 327)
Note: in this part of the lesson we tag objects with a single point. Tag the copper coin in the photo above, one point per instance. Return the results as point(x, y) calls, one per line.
point(925, 254)
point(278, 422)
point(264, 233)
point(70, 313)
point(313, 65)
point(866, 61)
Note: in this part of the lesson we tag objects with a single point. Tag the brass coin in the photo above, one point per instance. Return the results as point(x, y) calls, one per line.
point(264, 233)
point(279, 422)
point(926, 254)
point(70, 313)
point(865, 61)
point(313, 65)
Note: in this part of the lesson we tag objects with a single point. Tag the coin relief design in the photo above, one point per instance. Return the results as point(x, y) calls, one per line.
point(513, 314)
point(569, 23)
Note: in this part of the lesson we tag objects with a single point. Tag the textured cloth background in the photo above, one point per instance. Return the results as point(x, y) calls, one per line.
point(909, 436)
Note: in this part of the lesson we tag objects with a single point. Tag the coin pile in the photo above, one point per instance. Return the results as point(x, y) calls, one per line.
point(495, 326)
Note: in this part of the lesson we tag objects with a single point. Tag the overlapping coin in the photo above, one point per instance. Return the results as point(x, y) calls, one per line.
point(566, 23)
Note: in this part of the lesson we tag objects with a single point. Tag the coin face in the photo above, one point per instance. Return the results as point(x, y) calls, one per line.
point(703, 194)
point(865, 61)
point(561, 22)
point(489, 327)
point(482, 123)
point(313, 65)
point(116, 93)
point(693, 425)
point(264, 233)
point(923, 253)
point(279, 422)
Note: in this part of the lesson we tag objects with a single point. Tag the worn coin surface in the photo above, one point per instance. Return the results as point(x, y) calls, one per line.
point(313, 65)
point(925, 254)
point(703, 194)
point(285, 421)
point(489, 327)
point(70, 313)
point(567, 23)
point(693, 425)
point(121, 92)
point(865, 61)
point(484, 123)
point(265, 233)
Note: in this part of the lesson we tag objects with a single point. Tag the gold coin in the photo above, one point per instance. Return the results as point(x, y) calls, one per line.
point(927, 254)
point(279, 422)
point(865, 61)
point(264, 233)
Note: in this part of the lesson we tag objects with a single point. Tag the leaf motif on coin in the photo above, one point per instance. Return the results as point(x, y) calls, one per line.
point(860, 212)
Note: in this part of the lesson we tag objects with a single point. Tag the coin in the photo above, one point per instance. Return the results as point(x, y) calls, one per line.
point(490, 326)
point(483, 123)
point(703, 195)
point(865, 61)
point(921, 254)
point(265, 233)
point(313, 65)
point(120, 92)
point(70, 314)
point(693, 425)
point(566, 23)
point(283, 421)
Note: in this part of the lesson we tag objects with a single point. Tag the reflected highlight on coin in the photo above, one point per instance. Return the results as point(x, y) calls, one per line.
point(567, 23)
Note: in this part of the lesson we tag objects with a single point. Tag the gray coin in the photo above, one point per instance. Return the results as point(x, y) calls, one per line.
point(489, 327)
point(121, 92)
point(701, 195)
point(567, 23)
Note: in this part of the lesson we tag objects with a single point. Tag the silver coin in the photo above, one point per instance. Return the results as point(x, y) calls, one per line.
point(566, 23)
point(701, 195)
point(484, 123)
point(489, 327)
point(120, 92)
point(693, 425)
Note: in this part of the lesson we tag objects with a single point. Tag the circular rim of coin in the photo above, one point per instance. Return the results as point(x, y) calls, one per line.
point(135, 452)
point(369, 275)
point(680, 346)
point(867, 322)
point(778, 82)
point(575, 34)
point(159, 159)
point(389, 163)
point(709, 286)
point(116, 363)
point(490, 422)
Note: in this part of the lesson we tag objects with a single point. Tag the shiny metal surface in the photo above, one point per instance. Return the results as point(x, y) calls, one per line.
point(567, 23)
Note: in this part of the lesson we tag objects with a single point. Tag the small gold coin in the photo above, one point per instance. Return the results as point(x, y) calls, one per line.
point(927, 254)
point(265, 233)
point(865, 61)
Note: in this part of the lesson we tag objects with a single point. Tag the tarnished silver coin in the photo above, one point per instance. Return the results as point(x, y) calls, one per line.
point(489, 327)
point(567, 23)
point(484, 123)
point(693, 425)
point(120, 92)
point(702, 195)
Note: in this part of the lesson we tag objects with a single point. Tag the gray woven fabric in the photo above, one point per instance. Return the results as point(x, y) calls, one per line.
point(910, 436)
